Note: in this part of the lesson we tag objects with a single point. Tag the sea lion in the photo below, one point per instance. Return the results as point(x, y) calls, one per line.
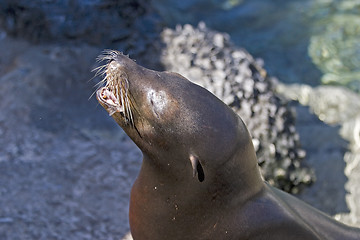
point(199, 177)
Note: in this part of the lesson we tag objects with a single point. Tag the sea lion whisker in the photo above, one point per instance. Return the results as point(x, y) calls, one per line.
point(125, 104)
point(122, 98)
point(128, 110)
point(100, 83)
point(108, 55)
point(93, 94)
point(92, 78)
point(99, 72)
point(131, 118)
point(97, 86)
point(130, 113)
point(104, 57)
point(100, 69)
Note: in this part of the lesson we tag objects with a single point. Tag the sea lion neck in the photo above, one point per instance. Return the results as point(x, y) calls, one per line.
point(223, 176)
point(229, 184)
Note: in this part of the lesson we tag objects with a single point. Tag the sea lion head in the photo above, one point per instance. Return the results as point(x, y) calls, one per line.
point(172, 120)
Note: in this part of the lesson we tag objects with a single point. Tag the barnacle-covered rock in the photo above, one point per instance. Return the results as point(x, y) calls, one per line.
point(211, 60)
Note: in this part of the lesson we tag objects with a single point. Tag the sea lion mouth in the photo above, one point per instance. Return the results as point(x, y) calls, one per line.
point(108, 97)
point(115, 95)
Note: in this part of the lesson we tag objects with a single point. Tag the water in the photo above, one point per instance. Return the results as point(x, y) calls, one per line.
point(335, 45)
point(301, 41)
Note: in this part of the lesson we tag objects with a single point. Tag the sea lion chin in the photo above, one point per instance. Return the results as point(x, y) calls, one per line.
point(199, 177)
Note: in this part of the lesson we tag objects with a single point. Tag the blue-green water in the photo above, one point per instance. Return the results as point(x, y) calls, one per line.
point(301, 41)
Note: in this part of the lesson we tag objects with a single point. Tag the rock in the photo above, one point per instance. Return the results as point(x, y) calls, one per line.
point(333, 147)
point(65, 168)
point(131, 26)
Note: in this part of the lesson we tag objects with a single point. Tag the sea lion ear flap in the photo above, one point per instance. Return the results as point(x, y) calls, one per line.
point(197, 168)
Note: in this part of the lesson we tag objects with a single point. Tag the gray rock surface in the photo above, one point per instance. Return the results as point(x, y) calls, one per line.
point(130, 25)
point(61, 177)
point(96, 22)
